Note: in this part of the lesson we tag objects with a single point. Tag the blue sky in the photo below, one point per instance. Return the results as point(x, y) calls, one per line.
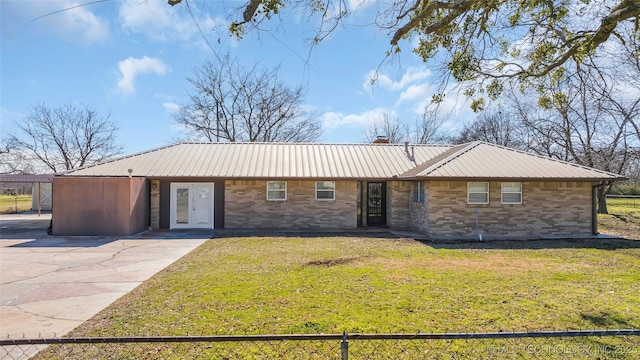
point(130, 59)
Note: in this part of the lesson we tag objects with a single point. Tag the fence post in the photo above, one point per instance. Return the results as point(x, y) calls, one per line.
point(344, 346)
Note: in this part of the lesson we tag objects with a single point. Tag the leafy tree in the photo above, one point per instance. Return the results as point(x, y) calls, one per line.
point(233, 103)
point(479, 42)
point(66, 137)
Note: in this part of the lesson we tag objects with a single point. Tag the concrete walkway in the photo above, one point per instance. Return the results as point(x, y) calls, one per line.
point(50, 285)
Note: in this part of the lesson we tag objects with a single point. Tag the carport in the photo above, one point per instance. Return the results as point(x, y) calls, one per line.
point(41, 190)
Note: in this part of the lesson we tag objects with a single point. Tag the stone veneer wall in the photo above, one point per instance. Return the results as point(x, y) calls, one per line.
point(246, 206)
point(419, 212)
point(154, 205)
point(548, 208)
point(398, 198)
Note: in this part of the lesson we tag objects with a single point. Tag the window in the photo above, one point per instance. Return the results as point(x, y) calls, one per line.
point(478, 193)
point(276, 190)
point(511, 192)
point(418, 192)
point(325, 190)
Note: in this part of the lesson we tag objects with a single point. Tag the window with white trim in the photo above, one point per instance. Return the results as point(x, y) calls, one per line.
point(511, 192)
point(276, 190)
point(478, 193)
point(325, 190)
point(418, 191)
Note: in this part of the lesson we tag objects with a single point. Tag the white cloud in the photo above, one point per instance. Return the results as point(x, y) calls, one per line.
point(386, 82)
point(63, 17)
point(171, 107)
point(416, 92)
point(333, 120)
point(132, 67)
point(160, 22)
point(354, 5)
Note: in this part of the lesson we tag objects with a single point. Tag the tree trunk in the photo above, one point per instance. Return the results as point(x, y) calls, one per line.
point(602, 199)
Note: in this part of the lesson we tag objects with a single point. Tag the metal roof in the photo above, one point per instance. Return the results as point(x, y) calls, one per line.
point(269, 160)
point(339, 161)
point(26, 178)
point(490, 161)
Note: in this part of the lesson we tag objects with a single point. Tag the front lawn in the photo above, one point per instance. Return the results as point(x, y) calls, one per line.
point(367, 285)
point(278, 285)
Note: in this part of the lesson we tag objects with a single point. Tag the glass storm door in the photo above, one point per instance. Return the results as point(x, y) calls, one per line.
point(376, 204)
point(191, 205)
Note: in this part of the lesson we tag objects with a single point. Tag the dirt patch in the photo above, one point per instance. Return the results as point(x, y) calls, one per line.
point(489, 262)
point(334, 262)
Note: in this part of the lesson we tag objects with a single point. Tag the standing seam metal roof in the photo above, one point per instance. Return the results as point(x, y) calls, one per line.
point(267, 160)
point(340, 161)
point(484, 160)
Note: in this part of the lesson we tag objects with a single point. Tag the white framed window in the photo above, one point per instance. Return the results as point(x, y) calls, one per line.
point(276, 190)
point(418, 191)
point(325, 190)
point(478, 193)
point(511, 192)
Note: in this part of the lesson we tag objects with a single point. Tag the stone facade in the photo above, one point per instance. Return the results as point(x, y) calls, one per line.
point(246, 206)
point(398, 199)
point(419, 211)
point(548, 208)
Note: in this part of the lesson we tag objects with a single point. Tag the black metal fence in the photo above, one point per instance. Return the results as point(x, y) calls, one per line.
point(625, 200)
point(592, 344)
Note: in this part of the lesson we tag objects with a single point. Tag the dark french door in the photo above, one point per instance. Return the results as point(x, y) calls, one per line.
point(376, 203)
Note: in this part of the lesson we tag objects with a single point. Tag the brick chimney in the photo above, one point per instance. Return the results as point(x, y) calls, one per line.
point(382, 139)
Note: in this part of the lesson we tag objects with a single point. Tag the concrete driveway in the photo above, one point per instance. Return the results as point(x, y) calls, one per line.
point(50, 285)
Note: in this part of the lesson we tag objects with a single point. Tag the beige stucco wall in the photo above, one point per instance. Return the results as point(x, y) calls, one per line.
point(399, 196)
point(100, 206)
point(246, 206)
point(548, 208)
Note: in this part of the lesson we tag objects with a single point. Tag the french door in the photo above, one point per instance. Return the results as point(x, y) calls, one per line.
point(191, 205)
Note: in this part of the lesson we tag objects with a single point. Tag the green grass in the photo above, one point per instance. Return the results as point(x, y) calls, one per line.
point(623, 218)
point(364, 285)
point(13, 204)
point(624, 203)
point(276, 285)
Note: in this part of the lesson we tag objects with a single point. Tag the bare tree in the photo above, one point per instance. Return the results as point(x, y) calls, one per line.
point(12, 161)
point(493, 127)
point(388, 127)
point(233, 103)
point(585, 120)
point(66, 137)
point(428, 127)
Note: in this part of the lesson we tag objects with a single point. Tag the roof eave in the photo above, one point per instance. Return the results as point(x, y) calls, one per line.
point(512, 178)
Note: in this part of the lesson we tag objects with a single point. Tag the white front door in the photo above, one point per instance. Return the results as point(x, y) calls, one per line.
point(191, 205)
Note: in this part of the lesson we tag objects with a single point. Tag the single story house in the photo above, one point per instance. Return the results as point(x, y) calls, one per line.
point(443, 191)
